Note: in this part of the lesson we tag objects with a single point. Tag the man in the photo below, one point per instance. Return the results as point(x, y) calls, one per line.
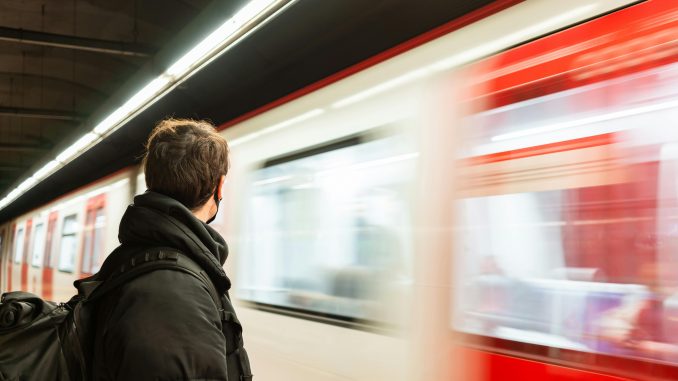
point(164, 324)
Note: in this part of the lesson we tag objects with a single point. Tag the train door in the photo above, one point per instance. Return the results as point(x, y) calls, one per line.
point(93, 236)
point(47, 263)
point(22, 255)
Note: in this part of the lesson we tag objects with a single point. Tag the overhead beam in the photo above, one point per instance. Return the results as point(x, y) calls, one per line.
point(23, 36)
point(56, 82)
point(23, 148)
point(12, 168)
point(36, 113)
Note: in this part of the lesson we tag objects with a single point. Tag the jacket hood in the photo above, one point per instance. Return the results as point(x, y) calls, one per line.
point(156, 220)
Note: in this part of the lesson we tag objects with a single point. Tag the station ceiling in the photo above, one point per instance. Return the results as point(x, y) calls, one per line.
point(60, 60)
point(64, 64)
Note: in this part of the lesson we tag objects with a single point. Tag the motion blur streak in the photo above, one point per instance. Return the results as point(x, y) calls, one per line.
point(567, 221)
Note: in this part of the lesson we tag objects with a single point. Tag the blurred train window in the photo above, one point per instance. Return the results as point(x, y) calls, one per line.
point(18, 245)
point(572, 245)
point(69, 244)
point(38, 245)
point(327, 231)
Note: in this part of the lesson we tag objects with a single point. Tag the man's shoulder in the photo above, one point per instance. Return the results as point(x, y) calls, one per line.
point(164, 281)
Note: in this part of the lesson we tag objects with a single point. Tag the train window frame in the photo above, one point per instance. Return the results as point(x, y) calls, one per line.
point(71, 217)
point(332, 145)
point(332, 319)
point(19, 242)
point(38, 242)
point(340, 320)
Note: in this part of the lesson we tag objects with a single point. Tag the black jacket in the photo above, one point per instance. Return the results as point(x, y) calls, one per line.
point(164, 325)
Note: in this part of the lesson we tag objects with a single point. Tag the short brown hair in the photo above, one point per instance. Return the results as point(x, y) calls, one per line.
point(185, 160)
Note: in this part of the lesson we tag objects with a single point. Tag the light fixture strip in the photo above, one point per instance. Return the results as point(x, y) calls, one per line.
point(230, 32)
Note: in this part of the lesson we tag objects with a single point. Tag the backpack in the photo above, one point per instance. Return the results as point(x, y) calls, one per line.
point(43, 340)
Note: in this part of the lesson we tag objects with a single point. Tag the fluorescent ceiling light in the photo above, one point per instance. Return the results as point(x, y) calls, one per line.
point(84, 142)
point(14, 193)
point(235, 27)
point(133, 105)
point(215, 40)
point(46, 170)
point(67, 154)
point(29, 182)
point(202, 49)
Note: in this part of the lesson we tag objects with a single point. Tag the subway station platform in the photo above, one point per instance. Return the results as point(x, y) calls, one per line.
point(477, 190)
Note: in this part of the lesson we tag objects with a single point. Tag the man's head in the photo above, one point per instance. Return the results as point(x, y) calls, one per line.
point(186, 160)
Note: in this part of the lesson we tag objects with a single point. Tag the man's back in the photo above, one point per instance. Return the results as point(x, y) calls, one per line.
point(166, 324)
point(163, 325)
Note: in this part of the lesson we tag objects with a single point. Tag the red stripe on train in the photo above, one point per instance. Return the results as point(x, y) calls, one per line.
point(591, 52)
point(496, 367)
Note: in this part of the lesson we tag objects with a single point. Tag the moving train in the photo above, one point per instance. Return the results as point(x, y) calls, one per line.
point(494, 200)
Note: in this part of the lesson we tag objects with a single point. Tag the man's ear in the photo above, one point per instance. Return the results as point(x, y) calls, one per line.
point(220, 187)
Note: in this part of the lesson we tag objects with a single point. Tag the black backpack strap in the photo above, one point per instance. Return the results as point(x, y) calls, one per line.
point(149, 260)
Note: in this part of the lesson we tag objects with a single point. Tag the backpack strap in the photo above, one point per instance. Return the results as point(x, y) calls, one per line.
point(145, 261)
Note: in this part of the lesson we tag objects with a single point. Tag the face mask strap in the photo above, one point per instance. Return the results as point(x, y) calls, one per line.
point(217, 200)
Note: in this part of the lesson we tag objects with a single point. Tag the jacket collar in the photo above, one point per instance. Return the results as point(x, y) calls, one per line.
point(157, 220)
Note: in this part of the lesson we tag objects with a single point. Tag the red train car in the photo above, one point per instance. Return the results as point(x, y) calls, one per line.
point(568, 203)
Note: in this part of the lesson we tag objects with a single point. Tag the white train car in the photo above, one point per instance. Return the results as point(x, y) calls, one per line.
point(50, 247)
point(365, 164)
